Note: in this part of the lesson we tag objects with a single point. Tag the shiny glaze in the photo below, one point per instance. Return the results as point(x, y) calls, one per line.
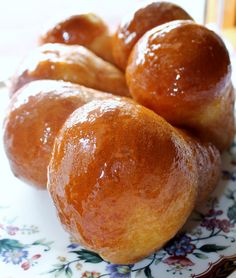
point(208, 162)
point(182, 71)
point(88, 30)
point(123, 180)
point(35, 115)
point(138, 22)
point(71, 63)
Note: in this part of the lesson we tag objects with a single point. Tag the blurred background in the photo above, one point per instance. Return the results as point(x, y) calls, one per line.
point(21, 22)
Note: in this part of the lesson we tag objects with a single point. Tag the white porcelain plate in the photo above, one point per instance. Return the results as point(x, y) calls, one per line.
point(33, 243)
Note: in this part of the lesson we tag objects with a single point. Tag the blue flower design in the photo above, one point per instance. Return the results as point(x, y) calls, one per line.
point(73, 245)
point(119, 271)
point(227, 175)
point(14, 256)
point(180, 246)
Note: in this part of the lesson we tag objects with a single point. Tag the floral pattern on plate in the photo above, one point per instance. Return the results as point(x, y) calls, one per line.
point(13, 251)
point(33, 244)
point(179, 256)
point(208, 237)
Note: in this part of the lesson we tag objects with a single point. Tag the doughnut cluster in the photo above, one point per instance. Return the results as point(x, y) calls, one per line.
point(124, 130)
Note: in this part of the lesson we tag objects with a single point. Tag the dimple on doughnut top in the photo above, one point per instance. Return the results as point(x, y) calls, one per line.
point(182, 71)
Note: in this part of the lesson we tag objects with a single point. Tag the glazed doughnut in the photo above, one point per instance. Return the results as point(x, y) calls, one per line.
point(123, 180)
point(71, 63)
point(138, 22)
point(181, 70)
point(88, 30)
point(208, 163)
point(35, 115)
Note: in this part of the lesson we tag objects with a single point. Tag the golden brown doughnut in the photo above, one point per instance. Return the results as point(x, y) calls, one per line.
point(71, 63)
point(88, 30)
point(182, 71)
point(36, 113)
point(208, 161)
point(123, 180)
point(138, 22)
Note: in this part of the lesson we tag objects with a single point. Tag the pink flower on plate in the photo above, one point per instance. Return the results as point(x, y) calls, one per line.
point(26, 265)
point(210, 224)
point(30, 262)
point(88, 274)
point(11, 230)
point(213, 212)
point(178, 260)
point(225, 225)
point(35, 257)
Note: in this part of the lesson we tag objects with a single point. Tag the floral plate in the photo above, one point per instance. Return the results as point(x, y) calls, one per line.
point(33, 243)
